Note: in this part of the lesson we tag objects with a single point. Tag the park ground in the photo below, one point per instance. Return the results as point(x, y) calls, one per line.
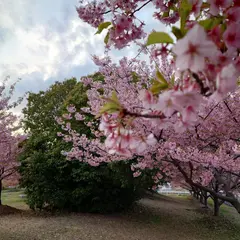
point(152, 218)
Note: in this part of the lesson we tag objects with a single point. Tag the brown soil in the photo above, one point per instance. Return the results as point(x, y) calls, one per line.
point(6, 210)
point(154, 218)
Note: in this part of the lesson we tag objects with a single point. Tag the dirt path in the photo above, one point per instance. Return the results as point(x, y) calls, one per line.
point(153, 219)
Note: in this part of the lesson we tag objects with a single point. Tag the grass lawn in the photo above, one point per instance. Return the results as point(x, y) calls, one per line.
point(154, 218)
point(12, 198)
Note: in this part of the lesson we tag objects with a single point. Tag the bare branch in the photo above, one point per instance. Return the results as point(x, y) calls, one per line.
point(229, 109)
point(126, 112)
point(204, 90)
point(138, 9)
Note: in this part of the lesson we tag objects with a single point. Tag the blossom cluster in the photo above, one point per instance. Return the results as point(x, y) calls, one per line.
point(179, 114)
point(204, 61)
point(207, 151)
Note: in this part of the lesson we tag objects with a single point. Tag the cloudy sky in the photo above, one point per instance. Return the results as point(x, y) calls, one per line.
point(43, 41)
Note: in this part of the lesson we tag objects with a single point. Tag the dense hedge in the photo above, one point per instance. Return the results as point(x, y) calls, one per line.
point(56, 184)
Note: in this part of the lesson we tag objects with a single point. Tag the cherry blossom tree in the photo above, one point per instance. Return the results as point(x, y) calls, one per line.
point(204, 52)
point(202, 158)
point(180, 112)
point(9, 138)
point(10, 149)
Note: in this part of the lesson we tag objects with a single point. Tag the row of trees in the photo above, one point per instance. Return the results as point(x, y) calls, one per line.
point(177, 119)
point(54, 183)
point(180, 115)
point(203, 159)
point(51, 182)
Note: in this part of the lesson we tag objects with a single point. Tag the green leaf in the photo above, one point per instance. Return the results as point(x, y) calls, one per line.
point(210, 23)
point(109, 107)
point(158, 37)
point(172, 80)
point(165, 14)
point(114, 97)
point(177, 32)
point(161, 78)
point(184, 11)
point(135, 77)
point(106, 38)
point(103, 26)
point(159, 84)
point(157, 87)
point(112, 105)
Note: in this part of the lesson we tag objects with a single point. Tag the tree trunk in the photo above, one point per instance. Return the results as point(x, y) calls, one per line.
point(197, 195)
point(194, 194)
point(235, 202)
point(216, 202)
point(1, 192)
point(201, 198)
point(216, 206)
point(236, 205)
point(205, 198)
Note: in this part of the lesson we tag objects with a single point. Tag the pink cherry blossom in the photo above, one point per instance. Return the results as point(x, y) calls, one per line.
point(67, 116)
point(233, 15)
point(166, 103)
point(71, 109)
point(160, 4)
point(196, 6)
point(106, 125)
point(59, 120)
point(226, 81)
point(189, 115)
point(193, 49)
point(136, 174)
point(118, 149)
point(59, 134)
point(236, 149)
point(188, 97)
point(142, 144)
point(217, 5)
point(147, 98)
point(232, 35)
point(119, 140)
point(79, 117)
point(92, 13)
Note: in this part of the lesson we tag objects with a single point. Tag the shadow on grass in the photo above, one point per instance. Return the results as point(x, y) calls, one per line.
point(173, 215)
point(187, 217)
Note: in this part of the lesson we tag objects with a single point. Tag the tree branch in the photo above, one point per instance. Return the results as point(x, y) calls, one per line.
point(138, 9)
point(204, 90)
point(231, 199)
point(126, 112)
point(229, 109)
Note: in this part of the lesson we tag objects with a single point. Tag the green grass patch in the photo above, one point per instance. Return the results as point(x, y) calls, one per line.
point(13, 198)
point(159, 217)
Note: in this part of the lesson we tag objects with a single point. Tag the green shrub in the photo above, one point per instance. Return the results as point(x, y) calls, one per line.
point(50, 181)
point(71, 185)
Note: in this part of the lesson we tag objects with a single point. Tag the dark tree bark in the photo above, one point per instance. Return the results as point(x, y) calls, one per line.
point(1, 192)
point(201, 198)
point(216, 206)
point(197, 196)
point(205, 198)
point(216, 196)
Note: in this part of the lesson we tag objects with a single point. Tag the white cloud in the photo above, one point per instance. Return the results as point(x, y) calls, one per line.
point(45, 37)
point(44, 41)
